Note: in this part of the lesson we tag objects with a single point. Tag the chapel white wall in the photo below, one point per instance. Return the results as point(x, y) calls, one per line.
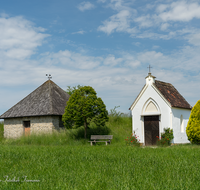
point(138, 123)
point(180, 137)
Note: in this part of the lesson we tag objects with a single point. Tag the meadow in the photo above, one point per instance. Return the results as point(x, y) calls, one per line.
point(66, 161)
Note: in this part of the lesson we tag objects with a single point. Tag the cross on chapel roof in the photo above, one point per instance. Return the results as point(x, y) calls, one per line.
point(149, 67)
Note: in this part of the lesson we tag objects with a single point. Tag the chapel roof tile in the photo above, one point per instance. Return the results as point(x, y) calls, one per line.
point(172, 95)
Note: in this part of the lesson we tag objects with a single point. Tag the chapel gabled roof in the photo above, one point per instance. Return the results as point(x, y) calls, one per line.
point(172, 95)
point(167, 91)
point(47, 99)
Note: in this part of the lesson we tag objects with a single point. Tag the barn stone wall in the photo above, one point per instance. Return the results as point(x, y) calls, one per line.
point(13, 127)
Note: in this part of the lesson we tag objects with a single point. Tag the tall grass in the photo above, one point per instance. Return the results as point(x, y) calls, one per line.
point(1, 130)
point(119, 127)
point(56, 138)
point(64, 160)
point(100, 167)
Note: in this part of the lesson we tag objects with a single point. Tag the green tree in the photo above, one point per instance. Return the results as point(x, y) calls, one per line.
point(84, 107)
point(193, 126)
point(70, 90)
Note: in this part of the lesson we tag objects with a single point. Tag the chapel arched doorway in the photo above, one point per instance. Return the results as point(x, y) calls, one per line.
point(151, 129)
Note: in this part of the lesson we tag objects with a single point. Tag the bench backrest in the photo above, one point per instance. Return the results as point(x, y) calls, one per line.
point(93, 137)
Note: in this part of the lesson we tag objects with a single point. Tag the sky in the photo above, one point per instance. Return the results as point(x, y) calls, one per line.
point(106, 44)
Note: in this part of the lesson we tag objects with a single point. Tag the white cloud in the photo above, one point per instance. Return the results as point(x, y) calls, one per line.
point(161, 24)
point(165, 13)
point(119, 22)
point(136, 43)
point(19, 38)
point(118, 78)
point(144, 21)
point(18, 53)
point(85, 5)
point(164, 26)
point(111, 60)
point(179, 11)
point(79, 32)
point(101, 1)
point(150, 6)
point(194, 39)
point(161, 8)
point(72, 60)
point(151, 57)
point(119, 5)
point(155, 47)
point(189, 34)
point(153, 35)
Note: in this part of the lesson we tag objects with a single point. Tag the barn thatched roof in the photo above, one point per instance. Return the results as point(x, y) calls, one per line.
point(47, 99)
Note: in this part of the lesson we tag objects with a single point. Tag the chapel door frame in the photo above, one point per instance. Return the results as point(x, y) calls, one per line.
point(157, 133)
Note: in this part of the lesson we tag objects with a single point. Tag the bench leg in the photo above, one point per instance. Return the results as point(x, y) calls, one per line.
point(106, 143)
point(91, 143)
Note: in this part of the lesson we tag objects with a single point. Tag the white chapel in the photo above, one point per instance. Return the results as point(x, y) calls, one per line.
point(159, 105)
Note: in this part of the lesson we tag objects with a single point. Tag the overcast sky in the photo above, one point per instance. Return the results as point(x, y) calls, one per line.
point(106, 44)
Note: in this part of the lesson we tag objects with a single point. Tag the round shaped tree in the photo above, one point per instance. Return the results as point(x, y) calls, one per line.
point(193, 126)
point(83, 107)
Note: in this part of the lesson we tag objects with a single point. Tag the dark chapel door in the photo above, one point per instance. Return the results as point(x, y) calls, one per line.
point(151, 129)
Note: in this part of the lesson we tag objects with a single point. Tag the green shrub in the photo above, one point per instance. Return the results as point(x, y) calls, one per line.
point(115, 116)
point(93, 129)
point(166, 137)
point(132, 140)
point(193, 126)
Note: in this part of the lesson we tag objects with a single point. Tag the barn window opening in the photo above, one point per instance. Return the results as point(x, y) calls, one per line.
point(182, 124)
point(26, 128)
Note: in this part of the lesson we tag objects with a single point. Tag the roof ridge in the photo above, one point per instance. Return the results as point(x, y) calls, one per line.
point(163, 82)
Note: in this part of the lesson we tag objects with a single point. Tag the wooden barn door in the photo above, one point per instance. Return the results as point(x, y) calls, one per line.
point(26, 128)
point(151, 128)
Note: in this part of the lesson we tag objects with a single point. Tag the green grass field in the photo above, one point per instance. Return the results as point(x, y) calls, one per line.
point(1, 131)
point(60, 162)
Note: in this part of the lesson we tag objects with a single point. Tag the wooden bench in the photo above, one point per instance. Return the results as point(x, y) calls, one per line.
point(98, 138)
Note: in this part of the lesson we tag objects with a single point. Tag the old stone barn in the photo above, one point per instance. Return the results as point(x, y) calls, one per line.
point(39, 112)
